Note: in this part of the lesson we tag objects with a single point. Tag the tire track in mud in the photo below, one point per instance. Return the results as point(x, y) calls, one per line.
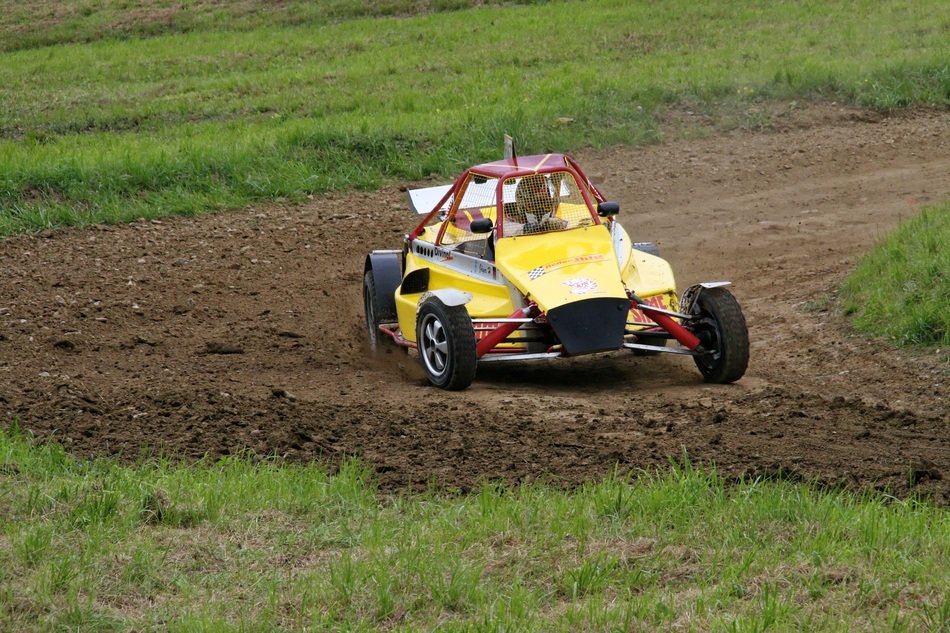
point(243, 330)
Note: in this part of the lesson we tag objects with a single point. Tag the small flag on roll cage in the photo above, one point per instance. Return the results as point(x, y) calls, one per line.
point(510, 149)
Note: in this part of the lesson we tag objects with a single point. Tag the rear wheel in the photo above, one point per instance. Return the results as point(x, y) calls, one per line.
point(374, 311)
point(721, 328)
point(446, 342)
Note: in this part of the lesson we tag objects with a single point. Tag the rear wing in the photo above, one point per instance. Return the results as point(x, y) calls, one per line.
point(423, 201)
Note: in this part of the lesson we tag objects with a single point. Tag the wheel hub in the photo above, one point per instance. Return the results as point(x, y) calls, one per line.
point(434, 345)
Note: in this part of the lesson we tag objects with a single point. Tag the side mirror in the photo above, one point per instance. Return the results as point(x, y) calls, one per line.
point(482, 225)
point(608, 209)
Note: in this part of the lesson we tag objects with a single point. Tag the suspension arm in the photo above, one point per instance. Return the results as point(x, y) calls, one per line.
point(658, 316)
point(502, 332)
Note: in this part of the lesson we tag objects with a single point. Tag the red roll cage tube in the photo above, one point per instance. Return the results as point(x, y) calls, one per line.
point(510, 168)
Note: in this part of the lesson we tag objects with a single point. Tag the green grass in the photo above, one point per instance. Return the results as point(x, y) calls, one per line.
point(250, 544)
point(901, 289)
point(49, 22)
point(228, 106)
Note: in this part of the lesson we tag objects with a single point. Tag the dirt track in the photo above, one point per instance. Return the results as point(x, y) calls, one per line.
point(114, 339)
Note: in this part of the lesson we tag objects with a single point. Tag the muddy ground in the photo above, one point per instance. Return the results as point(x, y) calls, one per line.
point(243, 330)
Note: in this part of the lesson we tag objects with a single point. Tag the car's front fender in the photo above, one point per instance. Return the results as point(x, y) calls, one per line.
point(692, 293)
point(448, 296)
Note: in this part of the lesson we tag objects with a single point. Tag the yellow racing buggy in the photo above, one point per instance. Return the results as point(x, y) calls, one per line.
point(524, 259)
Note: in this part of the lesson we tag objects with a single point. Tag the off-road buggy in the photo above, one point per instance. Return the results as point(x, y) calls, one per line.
point(524, 259)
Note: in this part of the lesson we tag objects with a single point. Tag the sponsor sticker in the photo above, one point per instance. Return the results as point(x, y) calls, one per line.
point(581, 285)
point(485, 270)
point(657, 301)
point(539, 271)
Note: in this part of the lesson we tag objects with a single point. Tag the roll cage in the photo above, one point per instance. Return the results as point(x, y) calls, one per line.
point(489, 190)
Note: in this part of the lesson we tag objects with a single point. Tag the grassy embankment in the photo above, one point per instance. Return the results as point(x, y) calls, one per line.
point(901, 289)
point(250, 545)
point(206, 118)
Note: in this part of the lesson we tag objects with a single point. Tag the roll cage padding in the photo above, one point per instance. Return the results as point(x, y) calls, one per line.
point(387, 275)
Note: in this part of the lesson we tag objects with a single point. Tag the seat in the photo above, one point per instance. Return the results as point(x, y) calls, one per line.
point(484, 248)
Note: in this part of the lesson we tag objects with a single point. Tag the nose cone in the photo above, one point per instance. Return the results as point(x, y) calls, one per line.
point(563, 267)
point(590, 325)
point(574, 278)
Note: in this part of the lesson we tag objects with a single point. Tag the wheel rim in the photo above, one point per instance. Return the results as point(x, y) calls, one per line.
point(434, 345)
point(708, 332)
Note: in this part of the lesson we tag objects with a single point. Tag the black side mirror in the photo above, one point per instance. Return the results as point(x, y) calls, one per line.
point(482, 225)
point(608, 209)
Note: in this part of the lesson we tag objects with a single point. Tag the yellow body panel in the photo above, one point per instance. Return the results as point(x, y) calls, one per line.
point(649, 276)
point(488, 299)
point(554, 269)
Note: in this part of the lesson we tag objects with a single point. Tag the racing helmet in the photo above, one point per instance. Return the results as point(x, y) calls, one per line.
point(532, 196)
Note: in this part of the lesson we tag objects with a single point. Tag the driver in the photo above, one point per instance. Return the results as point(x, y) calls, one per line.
point(533, 209)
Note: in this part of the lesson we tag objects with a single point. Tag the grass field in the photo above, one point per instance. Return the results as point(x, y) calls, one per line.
point(49, 22)
point(213, 112)
point(250, 545)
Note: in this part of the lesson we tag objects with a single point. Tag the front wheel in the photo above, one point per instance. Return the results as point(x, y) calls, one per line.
point(446, 342)
point(721, 328)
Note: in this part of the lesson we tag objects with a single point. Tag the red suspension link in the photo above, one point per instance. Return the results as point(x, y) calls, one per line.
point(502, 332)
point(681, 334)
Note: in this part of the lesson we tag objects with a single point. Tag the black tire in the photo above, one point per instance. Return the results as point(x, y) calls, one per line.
point(722, 330)
point(446, 342)
point(375, 313)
